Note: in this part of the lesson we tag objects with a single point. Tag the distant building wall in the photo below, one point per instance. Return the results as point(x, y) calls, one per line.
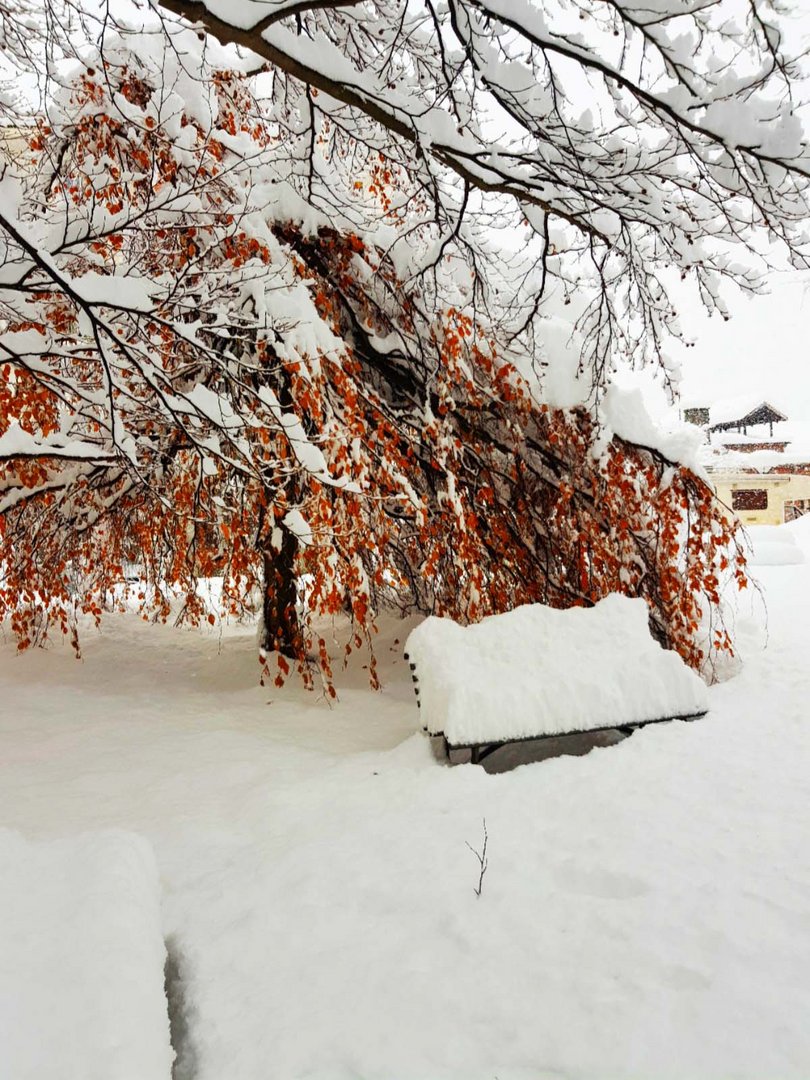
point(751, 447)
point(764, 498)
point(15, 142)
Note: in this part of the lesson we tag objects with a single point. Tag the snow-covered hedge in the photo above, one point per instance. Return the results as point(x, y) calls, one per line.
point(81, 960)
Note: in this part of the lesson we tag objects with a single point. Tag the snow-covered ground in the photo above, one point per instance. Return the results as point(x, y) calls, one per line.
point(645, 911)
point(774, 545)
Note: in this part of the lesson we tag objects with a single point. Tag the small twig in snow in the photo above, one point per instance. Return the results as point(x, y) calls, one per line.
point(482, 859)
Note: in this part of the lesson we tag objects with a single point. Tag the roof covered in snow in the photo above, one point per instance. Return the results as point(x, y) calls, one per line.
point(739, 409)
point(794, 435)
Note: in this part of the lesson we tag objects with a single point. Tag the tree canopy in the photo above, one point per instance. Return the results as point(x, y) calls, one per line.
point(284, 305)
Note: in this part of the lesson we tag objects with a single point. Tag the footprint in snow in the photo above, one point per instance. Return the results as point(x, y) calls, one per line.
point(601, 883)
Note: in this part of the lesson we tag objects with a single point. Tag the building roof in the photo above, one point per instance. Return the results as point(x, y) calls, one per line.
point(718, 456)
point(743, 408)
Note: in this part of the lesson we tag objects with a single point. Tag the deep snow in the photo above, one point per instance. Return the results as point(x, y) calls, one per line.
point(645, 913)
point(775, 545)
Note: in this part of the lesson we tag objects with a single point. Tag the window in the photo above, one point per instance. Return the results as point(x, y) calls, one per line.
point(750, 499)
point(796, 508)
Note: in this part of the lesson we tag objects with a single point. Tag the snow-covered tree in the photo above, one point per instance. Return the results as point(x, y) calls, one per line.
point(626, 138)
point(293, 322)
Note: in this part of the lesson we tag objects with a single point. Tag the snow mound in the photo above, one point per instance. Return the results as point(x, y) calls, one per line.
point(800, 531)
point(539, 671)
point(773, 545)
point(81, 960)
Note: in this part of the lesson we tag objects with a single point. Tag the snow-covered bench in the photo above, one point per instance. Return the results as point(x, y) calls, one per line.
point(81, 960)
point(537, 672)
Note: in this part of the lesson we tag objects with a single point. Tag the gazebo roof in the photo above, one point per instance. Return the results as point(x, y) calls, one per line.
point(744, 411)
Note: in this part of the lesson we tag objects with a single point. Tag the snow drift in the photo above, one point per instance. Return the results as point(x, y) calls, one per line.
point(773, 545)
point(540, 671)
point(81, 960)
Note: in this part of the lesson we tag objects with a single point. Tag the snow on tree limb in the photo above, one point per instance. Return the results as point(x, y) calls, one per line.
point(673, 159)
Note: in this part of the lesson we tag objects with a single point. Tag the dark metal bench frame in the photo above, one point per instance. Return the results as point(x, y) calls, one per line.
point(480, 751)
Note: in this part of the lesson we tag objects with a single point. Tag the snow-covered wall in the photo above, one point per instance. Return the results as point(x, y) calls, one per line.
point(540, 671)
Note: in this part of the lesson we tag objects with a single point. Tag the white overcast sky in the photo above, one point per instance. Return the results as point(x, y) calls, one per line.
point(764, 349)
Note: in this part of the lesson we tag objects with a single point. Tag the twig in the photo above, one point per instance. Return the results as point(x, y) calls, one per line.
point(482, 859)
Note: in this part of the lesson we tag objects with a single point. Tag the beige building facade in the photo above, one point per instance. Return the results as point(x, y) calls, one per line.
point(764, 498)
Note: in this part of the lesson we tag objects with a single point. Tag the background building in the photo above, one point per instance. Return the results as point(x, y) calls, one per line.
point(758, 459)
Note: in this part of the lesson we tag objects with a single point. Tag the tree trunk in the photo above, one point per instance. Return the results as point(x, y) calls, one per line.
point(281, 631)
